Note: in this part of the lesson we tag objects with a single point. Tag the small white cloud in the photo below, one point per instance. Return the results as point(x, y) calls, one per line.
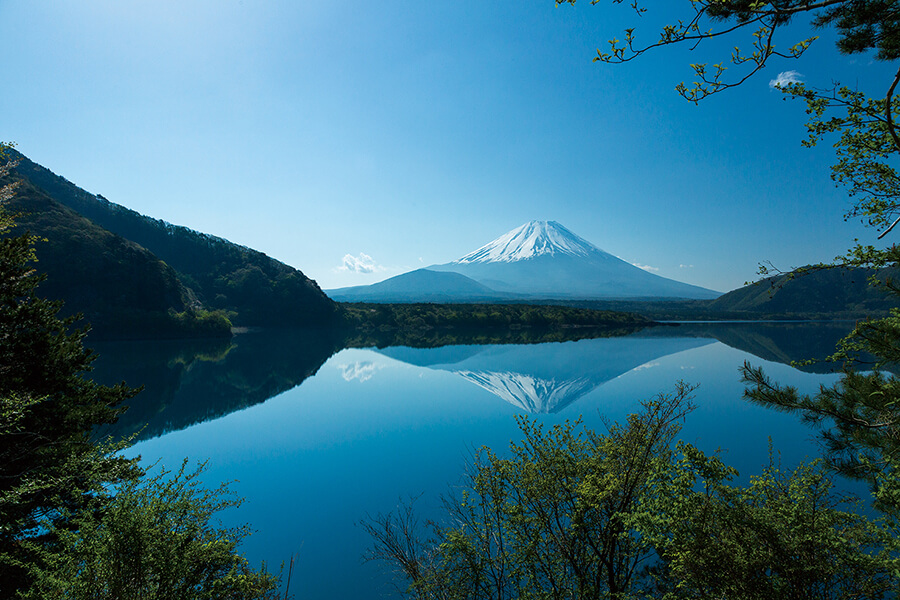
point(647, 268)
point(785, 78)
point(360, 264)
point(685, 266)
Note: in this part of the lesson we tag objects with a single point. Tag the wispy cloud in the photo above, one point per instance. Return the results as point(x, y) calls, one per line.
point(784, 78)
point(647, 268)
point(360, 264)
point(648, 365)
point(360, 370)
point(685, 266)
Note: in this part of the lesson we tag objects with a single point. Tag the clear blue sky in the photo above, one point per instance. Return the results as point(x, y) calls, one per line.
point(415, 132)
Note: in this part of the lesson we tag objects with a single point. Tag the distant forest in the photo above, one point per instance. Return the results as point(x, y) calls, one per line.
point(429, 325)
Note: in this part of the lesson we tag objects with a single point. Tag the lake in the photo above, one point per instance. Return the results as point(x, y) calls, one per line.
point(316, 437)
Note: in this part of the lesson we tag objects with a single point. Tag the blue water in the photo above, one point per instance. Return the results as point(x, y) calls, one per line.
point(372, 427)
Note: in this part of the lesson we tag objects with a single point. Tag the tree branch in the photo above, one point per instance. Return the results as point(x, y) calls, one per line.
point(888, 230)
point(887, 109)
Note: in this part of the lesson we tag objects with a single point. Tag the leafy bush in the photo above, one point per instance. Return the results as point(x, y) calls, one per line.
point(154, 539)
point(626, 514)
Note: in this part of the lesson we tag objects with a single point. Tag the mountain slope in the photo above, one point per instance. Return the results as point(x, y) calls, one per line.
point(823, 291)
point(543, 259)
point(257, 289)
point(121, 288)
point(421, 285)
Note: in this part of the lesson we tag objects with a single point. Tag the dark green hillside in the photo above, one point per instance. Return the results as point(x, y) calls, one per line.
point(122, 289)
point(844, 290)
point(825, 294)
point(428, 315)
point(254, 288)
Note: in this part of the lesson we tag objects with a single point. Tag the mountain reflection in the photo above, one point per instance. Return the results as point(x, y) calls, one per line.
point(191, 382)
point(545, 378)
point(776, 341)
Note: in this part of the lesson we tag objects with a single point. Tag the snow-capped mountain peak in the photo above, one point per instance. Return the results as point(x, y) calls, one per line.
point(532, 239)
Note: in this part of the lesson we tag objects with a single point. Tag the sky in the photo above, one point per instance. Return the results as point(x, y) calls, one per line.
point(357, 140)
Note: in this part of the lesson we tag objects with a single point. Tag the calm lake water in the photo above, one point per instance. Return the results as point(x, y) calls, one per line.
point(317, 438)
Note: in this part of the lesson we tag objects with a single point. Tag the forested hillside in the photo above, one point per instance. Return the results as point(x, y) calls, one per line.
point(833, 290)
point(122, 289)
point(253, 288)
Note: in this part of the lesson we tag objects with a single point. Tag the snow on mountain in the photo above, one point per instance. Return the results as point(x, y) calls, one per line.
point(535, 238)
point(539, 260)
point(544, 260)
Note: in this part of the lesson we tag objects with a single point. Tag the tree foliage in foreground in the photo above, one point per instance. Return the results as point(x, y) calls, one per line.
point(862, 26)
point(154, 539)
point(48, 461)
point(574, 513)
point(77, 520)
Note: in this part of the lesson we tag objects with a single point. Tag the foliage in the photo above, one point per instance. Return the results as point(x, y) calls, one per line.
point(785, 535)
point(862, 25)
point(154, 540)
point(48, 462)
point(860, 414)
point(479, 316)
point(125, 323)
point(550, 521)
point(573, 513)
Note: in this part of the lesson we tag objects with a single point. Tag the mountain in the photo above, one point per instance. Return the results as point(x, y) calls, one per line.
point(252, 287)
point(423, 285)
point(120, 288)
point(543, 259)
point(837, 290)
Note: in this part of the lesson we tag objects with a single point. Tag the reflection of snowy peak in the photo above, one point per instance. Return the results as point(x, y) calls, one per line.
point(531, 394)
point(532, 239)
point(545, 378)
